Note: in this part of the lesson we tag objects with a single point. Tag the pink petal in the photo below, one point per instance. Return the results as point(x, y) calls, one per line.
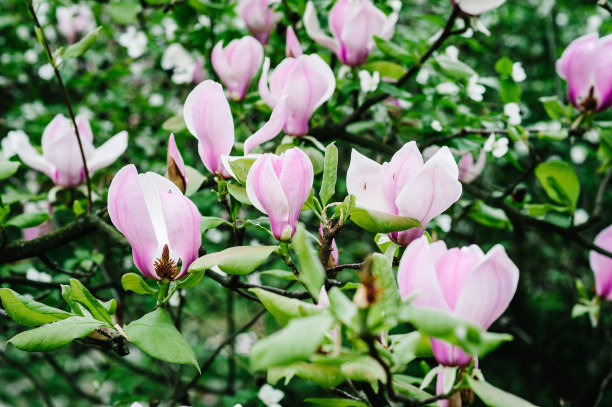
point(405, 163)
point(237, 64)
point(292, 46)
point(296, 179)
point(129, 214)
point(279, 78)
point(108, 152)
point(453, 269)
point(417, 274)
point(363, 179)
point(209, 118)
point(84, 128)
point(489, 288)
point(269, 130)
point(314, 31)
point(267, 96)
point(602, 265)
point(357, 34)
point(603, 73)
point(577, 66)
point(33, 159)
point(174, 152)
point(449, 355)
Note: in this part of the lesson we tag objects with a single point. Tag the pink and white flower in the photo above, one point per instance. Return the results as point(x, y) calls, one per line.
point(602, 264)
point(259, 17)
point(237, 64)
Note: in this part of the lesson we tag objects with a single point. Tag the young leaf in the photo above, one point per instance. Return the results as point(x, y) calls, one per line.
point(28, 220)
point(240, 193)
point(174, 124)
point(296, 342)
point(494, 397)
point(240, 167)
point(330, 168)
point(312, 274)
point(284, 309)
point(133, 282)
point(211, 222)
point(54, 335)
point(342, 308)
point(79, 48)
point(235, 260)
point(325, 375)
point(195, 180)
point(81, 294)
point(8, 168)
point(560, 182)
point(381, 222)
point(28, 312)
point(155, 335)
point(191, 280)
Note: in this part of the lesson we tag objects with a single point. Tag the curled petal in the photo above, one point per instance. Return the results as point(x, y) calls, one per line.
point(602, 264)
point(108, 152)
point(176, 165)
point(292, 47)
point(267, 96)
point(269, 130)
point(363, 179)
point(296, 179)
point(314, 31)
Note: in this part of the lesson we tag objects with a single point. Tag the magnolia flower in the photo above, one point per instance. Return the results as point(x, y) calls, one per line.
point(474, 89)
point(259, 17)
point(176, 165)
point(369, 81)
point(74, 20)
point(270, 396)
point(353, 24)
point(585, 65)
point(292, 44)
point(10, 144)
point(306, 81)
point(513, 112)
point(406, 186)
point(278, 186)
point(498, 147)
point(461, 281)
point(602, 264)
point(468, 170)
point(237, 64)
point(477, 7)
point(209, 118)
point(185, 68)
point(159, 222)
point(518, 72)
point(61, 157)
point(135, 42)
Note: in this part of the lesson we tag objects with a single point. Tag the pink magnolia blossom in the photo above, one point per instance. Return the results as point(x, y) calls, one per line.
point(477, 7)
point(602, 264)
point(159, 222)
point(465, 282)
point(406, 186)
point(585, 65)
point(293, 48)
point(470, 170)
point(237, 64)
point(278, 186)
point(61, 157)
point(176, 166)
point(306, 81)
point(74, 21)
point(209, 118)
point(353, 24)
point(259, 17)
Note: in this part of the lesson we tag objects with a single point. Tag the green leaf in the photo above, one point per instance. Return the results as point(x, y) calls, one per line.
point(494, 397)
point(133, 282)
point(285, 309)
point(77, 208)
point(240, 167)
point(54, 335)
point(67, 296)
point(155, 335)
point(81, 294)
point(363, 369)
point(503, 66)
point(79, 48)
point(28, 312)
point(383, 311)
point(211, 222)
point(407, 347)
point(386, 69)
point(191, 280)
point(294, 343)
point(28, 220)
point(488, 216)
point(343, 309)
point(325, 375)
point(509, 91)
point(330, 169)
point(390, 49)
point(237, 260)
point(174, 124)
point(316, 158)
point(332, 402)
point(8, 168)
point(560, 182)
point(454, 68)
point(124, 11)
point(240, 193)
point(312, 273)
point(555, 109)
point(194, 180)
point(381, 222)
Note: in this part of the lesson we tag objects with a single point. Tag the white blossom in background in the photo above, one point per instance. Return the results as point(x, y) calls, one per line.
point(474, 89)
point(497, 147)
point(46, 71)
point(518, 72)
point(478, 26)
point(244, 342)
point(31, 56)
point(521, 147)
point(447, 88)
point(452, 52)
point(444, 221)
point(156, 100)
point(170, 28)
point(136, 404)
point(32, 110)
point(592, 136)
point(593, 23)
point(423, 75)
point(578, 153)
point(396, 5)
point(35, 275)
point(270, 396)
point(580, 216)
point(562, 19)
point(134, 41)
point(436, 125)
point(369, 82)
point(180, 62)
point(11, 141)
point(513, 112)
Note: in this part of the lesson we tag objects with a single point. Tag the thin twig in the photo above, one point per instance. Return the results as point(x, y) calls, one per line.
point(68, 105)
point(354, 266)
point(56, 267)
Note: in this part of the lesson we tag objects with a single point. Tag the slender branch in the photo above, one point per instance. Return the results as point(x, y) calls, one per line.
point(56, 267)
point(354, 266)
point(372, 100)
point(237, 285)
point(67, 101)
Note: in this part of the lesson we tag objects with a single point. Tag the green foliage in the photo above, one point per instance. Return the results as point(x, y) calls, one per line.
point(312, 273)
point(235, 260)
point(560, 182)
point(133, 282)
point(28, 312)
point(376, 221)
point(55, 335)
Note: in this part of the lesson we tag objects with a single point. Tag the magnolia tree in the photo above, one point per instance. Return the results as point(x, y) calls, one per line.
point(341, 203)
